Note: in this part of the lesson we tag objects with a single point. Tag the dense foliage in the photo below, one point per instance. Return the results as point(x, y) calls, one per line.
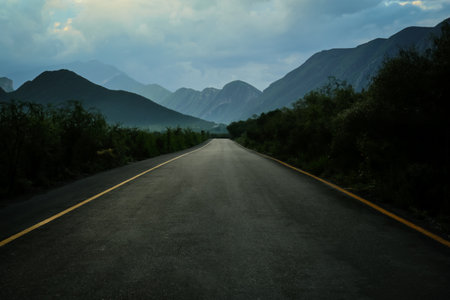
point(391, 142)
point(43, 145)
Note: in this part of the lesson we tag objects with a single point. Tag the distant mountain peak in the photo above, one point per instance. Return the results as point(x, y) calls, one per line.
point(210, 89)
point(236, 82)
point(57, 73)
point(58, 77)
point(126, 108)
point(102, 74)
point(219, 105)
point(239, 84)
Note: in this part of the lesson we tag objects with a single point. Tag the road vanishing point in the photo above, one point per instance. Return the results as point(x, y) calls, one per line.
point(219, 222)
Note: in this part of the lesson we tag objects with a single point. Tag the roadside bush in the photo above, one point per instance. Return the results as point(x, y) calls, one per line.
point(391, 142)
point(45, 145)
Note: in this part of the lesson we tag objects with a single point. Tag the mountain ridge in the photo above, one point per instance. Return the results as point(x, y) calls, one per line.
point(218, 105)
point(355, 65)
point(99, 73)
point(152, 91)
point(126, 108)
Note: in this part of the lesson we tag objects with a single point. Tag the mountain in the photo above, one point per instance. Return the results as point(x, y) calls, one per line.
point(114, 79)
point(102, 74)
point(222, 106)
point(3, 95)
point(355, 65)
point(231, 99)
point(6, 84)
point(128, 109)
point(190, 101)
point(93, 70)
point(122, 81)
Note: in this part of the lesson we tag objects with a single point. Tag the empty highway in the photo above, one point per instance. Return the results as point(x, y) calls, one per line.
point(218, 223)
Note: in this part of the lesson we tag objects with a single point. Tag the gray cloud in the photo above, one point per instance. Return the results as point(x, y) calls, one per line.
point(198, 43)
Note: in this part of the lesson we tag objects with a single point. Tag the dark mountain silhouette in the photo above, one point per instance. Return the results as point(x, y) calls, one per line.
point(93, 70)
point(115, 79)
point(101, 74)
point(222, 106)
point(154, 92)
point(128, 109)
point(3, 94)
point(6, 84)
point(355, 65)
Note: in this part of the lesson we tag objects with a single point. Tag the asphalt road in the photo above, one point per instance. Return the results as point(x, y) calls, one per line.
point(218, 223)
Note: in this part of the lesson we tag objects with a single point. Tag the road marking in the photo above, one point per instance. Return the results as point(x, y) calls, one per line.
point(48, 220)
point(366, 202)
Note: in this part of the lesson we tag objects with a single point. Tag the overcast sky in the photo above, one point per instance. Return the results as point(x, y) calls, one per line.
point(198, 43)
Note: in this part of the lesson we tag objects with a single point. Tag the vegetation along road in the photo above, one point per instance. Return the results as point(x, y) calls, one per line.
point(219, 222)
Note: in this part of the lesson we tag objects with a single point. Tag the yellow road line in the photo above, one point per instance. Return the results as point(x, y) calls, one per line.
point(366, 202)
point(48, 220)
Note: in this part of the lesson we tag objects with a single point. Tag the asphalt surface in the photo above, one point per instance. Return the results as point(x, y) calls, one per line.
point(219, 223)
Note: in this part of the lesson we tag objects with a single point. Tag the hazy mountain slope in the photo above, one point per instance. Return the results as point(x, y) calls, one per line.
point(93, 70)
point(153, 92)
point(99, 73)
point(229, 102)
point(222, 106)
point(355, 65)
point(6, 84)
point(190, 101)
point(118, 106)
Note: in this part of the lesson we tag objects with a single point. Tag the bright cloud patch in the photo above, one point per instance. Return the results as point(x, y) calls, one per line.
point(424, 5)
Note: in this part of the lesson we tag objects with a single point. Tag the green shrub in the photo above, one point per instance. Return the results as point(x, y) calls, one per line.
point(391, 142)
point(44, 145)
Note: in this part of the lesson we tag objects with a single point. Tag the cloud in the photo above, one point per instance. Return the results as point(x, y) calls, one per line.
point(424, 5)
point(199, 43)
